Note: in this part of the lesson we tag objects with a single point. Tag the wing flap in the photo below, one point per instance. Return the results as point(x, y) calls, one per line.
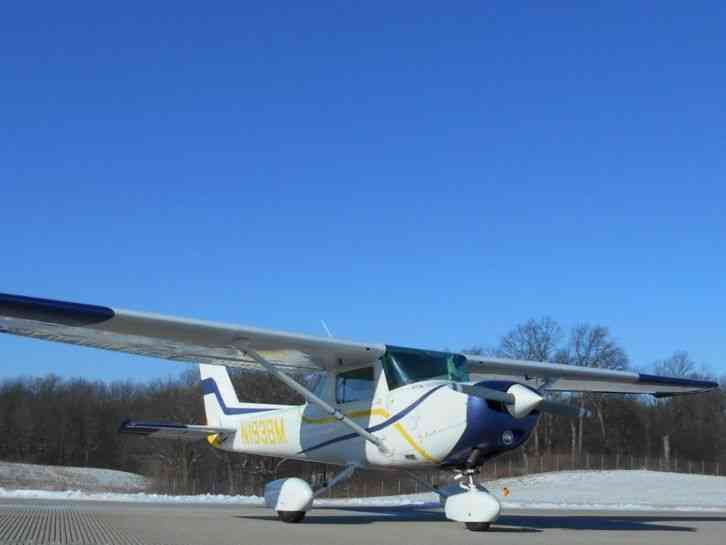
point(172, 430)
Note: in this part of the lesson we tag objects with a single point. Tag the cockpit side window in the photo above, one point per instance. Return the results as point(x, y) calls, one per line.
point(407, 365)
point(355, 385)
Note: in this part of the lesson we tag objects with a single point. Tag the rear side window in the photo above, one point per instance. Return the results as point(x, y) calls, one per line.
point(355, 385)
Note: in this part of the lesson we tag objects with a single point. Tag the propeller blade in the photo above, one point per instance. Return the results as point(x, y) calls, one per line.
point(561, 409)
point(485, 393)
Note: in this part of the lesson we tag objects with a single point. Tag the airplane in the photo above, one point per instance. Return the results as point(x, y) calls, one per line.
point(377, 405)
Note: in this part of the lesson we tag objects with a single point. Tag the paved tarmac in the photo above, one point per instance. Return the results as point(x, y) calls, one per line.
point(40, 522)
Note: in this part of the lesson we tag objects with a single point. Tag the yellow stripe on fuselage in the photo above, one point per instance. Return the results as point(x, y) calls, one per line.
point(376, 412)
point(411, 441)
point(352, 414)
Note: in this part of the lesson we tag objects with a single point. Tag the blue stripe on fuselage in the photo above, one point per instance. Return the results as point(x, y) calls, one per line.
point(378, 427)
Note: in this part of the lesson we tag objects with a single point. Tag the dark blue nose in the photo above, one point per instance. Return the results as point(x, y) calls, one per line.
point(490, 429)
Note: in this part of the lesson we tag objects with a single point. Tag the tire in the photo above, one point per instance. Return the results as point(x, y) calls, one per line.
point(477, 526)
point(291, 516)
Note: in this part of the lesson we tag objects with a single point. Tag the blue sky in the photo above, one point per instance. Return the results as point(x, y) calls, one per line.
point(416, 173)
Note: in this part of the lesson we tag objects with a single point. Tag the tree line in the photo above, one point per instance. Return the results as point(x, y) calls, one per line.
point(689, 427)
point(50, 420)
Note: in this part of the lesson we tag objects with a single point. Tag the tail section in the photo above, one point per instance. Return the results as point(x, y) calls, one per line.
point(219, 393)
point(221, 404)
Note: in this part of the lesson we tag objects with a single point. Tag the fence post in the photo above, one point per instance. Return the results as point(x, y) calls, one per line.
point(587, 461)
point(703, 467)
point(602, 462)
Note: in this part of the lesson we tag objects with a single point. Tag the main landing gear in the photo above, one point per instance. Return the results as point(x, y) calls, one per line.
point(292, 498)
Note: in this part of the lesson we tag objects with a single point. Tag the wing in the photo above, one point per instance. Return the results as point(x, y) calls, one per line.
point(169, 430)
point(171, 338)
point(558, 377)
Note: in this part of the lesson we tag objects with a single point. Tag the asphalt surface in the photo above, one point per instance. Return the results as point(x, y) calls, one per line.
point(39, 522)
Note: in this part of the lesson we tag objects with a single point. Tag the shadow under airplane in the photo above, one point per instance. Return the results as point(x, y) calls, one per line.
point(512, 522)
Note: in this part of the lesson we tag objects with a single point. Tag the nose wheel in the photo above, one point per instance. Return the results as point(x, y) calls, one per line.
point(470, 503)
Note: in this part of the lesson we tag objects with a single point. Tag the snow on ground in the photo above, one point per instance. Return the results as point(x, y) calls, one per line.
point(594, 490)
point(34, 477)
point(627, 490)
point(581, 490)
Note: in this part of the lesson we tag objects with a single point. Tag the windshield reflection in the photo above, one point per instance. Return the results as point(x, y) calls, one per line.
point(408, 365)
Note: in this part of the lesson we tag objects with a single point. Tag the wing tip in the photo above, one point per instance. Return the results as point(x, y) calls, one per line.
point(52, 311)
point(689, 385)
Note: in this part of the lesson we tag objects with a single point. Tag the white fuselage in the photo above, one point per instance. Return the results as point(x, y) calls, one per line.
point(419, 423)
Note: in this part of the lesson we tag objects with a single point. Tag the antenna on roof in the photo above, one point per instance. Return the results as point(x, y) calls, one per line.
point(325, 327)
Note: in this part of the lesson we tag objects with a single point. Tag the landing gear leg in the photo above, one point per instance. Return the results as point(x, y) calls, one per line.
point(328, 484)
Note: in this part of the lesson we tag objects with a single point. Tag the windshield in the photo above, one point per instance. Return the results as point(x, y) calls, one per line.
point(408, 365)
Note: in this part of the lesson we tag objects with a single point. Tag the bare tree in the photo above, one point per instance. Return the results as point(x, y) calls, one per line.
point(592, 346)
point(536, 340)
point(679, 364)
point(683, 418)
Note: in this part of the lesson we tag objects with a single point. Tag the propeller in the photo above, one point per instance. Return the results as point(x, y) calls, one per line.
point(519, 400)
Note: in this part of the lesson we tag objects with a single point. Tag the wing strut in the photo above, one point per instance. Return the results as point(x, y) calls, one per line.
point(312, 398)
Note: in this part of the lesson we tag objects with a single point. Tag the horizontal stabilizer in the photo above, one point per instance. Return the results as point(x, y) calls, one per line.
point(170, 430)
